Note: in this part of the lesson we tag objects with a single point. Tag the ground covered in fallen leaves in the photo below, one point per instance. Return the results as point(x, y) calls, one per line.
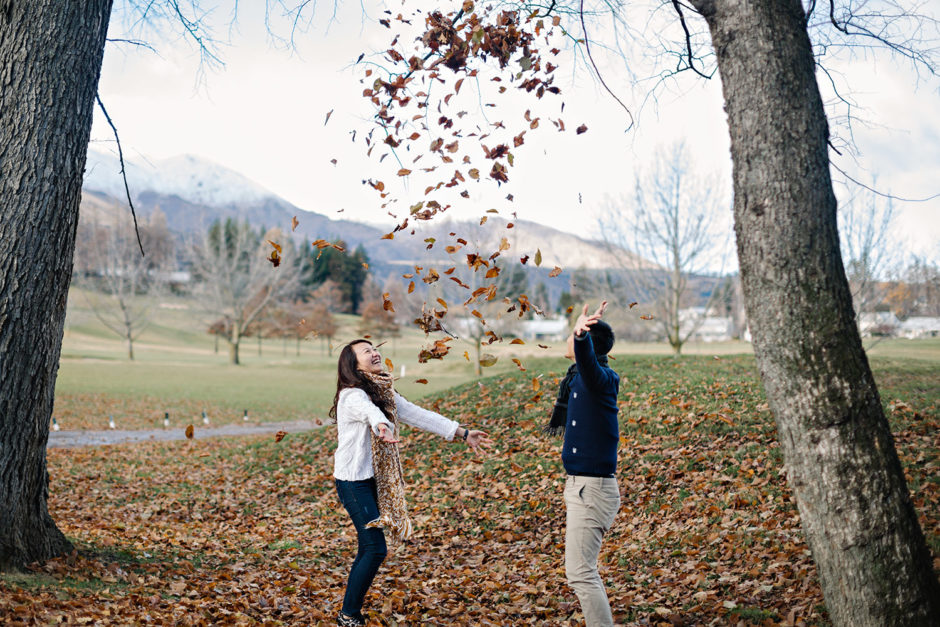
point(247, 531)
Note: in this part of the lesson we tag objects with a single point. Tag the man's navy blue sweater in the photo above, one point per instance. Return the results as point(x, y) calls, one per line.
point(591, 431)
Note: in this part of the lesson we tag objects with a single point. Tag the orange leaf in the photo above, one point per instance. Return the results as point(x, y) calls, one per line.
point(189, 432)
point(555, 272)
point(421, 381)
point(279, 436)
point(293, 223)
point(404, 172)
point(517, 341)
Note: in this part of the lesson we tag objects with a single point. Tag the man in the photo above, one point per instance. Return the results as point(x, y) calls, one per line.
point(587, 411)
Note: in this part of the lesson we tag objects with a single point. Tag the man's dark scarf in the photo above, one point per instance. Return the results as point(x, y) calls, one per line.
point(560, 412)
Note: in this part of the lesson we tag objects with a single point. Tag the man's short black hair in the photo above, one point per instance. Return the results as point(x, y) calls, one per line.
point(602, 337)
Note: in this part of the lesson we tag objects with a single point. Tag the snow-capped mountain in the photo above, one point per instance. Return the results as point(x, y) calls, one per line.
point(193, 179)
point(194, 192)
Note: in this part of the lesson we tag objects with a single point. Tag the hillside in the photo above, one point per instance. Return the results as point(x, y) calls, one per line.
point(194, 192)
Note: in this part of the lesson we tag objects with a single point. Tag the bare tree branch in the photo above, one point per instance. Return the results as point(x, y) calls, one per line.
point(127, 189)
point(587, 48)
point(688, 42)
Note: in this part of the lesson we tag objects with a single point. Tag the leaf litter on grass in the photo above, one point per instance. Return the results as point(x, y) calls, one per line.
point(250, 531)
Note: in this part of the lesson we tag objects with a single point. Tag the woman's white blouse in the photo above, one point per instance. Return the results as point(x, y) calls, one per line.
point(356, 414)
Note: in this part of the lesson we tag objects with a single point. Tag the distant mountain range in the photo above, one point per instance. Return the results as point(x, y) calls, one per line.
point(194, 192)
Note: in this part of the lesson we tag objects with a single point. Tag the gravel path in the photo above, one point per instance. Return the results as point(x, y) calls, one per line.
point(72, 439)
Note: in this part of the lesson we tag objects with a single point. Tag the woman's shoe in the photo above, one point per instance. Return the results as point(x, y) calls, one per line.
point(345, 620)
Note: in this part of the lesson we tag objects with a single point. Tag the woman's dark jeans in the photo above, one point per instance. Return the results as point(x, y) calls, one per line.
point(361, 501)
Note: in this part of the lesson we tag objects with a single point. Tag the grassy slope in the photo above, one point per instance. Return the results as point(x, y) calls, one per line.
point(250, 530)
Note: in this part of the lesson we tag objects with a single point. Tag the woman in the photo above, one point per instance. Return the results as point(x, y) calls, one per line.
point(366, 467)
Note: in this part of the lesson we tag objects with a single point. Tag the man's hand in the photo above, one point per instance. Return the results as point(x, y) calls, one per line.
point(585, 322)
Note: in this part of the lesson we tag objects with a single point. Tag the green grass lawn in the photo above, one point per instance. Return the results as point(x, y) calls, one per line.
point(177, 370)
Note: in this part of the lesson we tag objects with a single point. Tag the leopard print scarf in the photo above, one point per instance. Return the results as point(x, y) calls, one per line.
point(386, 464)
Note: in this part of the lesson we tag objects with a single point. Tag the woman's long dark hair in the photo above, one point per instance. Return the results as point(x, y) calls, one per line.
point(348, 375)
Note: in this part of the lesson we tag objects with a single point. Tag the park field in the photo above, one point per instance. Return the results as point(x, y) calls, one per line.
point(249, 530)
point(178, 370)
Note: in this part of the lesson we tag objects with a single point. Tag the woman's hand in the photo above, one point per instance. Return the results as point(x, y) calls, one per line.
point(585, 322)
point(478, 441)
point(386, 433)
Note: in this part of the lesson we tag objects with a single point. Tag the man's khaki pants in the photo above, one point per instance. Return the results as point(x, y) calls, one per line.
point(592, 504)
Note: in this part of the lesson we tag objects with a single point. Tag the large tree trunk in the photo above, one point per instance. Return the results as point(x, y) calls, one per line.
point(840, 457)
point(50, 59)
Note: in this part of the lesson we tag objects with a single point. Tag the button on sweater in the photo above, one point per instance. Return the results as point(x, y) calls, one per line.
point(591, 431)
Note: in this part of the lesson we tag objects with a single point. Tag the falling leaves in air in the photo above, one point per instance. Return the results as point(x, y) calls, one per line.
point(275, 257)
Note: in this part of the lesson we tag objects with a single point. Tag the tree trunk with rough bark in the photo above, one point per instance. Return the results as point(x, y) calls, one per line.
point(50, 60)
point(841, 462)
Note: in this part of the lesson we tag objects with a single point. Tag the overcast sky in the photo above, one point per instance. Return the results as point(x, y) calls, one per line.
point(263, 115)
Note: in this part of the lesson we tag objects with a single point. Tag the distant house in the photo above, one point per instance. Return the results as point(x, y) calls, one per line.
point(878, 323)
point(714, 329)
point(707, 328)
point(919, 327)
point(549, 329)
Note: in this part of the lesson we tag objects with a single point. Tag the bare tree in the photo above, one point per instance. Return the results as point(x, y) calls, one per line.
point(331, 296)
point(671, 225)
point(237, 280)
point(855, 508)
point(378, 321)
point(319, 322)
point(868, 251)
point(121, 285)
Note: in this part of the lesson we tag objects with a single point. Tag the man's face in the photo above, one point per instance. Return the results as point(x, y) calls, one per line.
point(569, 347)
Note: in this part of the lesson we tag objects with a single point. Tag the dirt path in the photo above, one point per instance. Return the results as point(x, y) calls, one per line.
point(72, 439)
